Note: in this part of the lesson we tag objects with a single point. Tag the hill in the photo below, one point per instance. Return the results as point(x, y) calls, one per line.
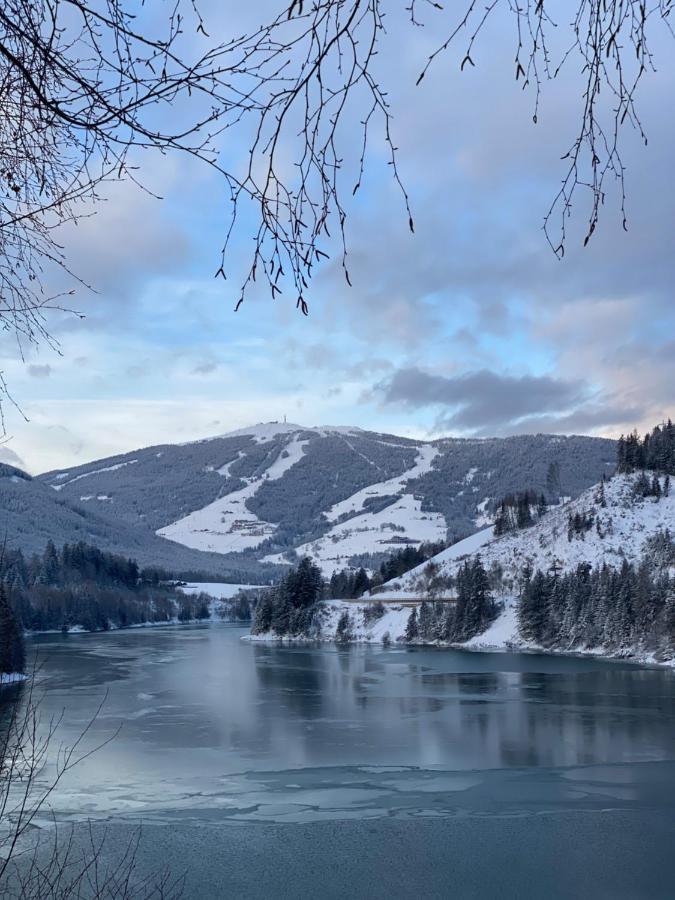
point(607, 524)
point(32, 513)
point(595, 574)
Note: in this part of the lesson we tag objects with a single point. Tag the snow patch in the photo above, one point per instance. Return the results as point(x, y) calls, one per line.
point(58, 487)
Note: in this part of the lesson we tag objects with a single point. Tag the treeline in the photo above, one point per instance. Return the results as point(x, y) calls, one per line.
point(453, 622)
point(406, 559)
point(656, 451)
point(651, 487)
point(629, 609)
point(517, 511)
point(82, 586)
point(75, 564)
point(348, 584)
point(288, 608)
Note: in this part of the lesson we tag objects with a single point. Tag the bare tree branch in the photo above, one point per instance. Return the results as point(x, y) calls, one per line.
point(85, 86)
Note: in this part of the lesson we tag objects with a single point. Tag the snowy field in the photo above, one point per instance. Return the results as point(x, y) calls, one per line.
point(219, 590)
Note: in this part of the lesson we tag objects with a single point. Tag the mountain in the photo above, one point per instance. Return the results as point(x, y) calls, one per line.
point(342, 494)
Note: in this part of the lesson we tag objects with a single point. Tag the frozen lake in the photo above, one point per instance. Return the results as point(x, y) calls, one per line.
point(408, 771)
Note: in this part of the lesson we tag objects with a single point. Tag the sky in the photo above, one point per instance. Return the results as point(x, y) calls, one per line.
point(469, 327)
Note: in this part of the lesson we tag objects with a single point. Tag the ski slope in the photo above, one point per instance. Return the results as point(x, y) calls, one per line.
point(403, 522)
point(227, 525)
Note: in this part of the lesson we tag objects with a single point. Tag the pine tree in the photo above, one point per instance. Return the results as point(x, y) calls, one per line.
point(361, 583)
point(656, 488)
point(12, 649)
point(343, 631)
point(411, 630)
point(533, 609)
point(262, 620)
point(425, 621)
point(50, 564)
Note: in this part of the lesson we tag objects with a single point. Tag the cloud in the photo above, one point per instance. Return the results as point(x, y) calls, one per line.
point(9, 456)
point(205, 368)
point(40, 371)
point(482, 399)
point(442, 318)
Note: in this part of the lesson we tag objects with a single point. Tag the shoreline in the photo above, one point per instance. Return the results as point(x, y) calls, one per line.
point(530, 649)
point(76, 630)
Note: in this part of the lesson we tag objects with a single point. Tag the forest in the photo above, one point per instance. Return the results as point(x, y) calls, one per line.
point(655, 451)
point(631, 608)
point(453, 622)
point(81, 587)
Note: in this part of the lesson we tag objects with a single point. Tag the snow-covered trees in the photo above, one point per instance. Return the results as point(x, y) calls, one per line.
point(475, 608)
point(411, 628)
point(343, 632)
point(288, 608)
point(629, 608)
point(656, 451)
point(516, 511)
point(459, 620)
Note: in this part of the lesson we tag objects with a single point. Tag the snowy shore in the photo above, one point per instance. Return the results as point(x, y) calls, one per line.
point(501, 636)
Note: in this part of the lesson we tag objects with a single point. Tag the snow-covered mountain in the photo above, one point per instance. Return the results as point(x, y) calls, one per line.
point(341, 494)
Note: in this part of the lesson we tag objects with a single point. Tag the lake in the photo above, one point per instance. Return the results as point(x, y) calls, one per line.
point(361, 771)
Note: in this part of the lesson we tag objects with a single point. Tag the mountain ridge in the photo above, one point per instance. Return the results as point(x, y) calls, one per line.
point(266, 493)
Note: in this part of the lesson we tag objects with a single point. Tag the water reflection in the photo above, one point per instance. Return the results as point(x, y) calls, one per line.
point(198, 704)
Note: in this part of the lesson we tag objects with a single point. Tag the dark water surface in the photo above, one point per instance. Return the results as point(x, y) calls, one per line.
point(365, 772)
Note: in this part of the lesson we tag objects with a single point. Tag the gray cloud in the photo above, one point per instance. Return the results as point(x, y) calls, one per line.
point(482, 399)
point(588, 418)
point(9, 456)
point(40, 371)
point(205, 368)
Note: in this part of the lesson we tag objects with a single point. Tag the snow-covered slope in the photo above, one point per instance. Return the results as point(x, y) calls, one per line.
point(401, 521)
point(619, 531)
point(227, 525)
point(621, 527)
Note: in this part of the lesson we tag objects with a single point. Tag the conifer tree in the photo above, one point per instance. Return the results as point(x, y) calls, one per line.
point(343, 631)
point(411, 629)
point(425, 621)
point(12, 649)
point(262, 621)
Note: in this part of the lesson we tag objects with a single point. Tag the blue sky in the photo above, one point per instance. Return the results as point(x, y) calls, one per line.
point(469, 326)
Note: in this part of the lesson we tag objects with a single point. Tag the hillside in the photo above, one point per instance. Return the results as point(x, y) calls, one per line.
point(343, 495)
point(615, 532)
point(31, 513)
point(601, 568)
